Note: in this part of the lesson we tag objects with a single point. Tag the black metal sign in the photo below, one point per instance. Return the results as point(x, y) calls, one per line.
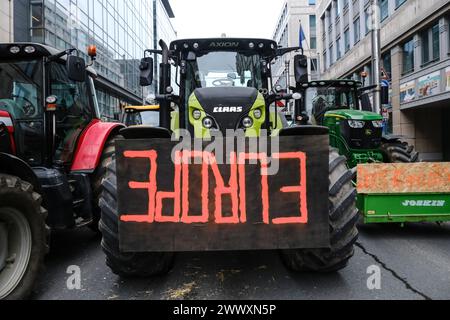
point(200, 200)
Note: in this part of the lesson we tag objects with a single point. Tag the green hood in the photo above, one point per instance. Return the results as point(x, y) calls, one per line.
point(354, 115)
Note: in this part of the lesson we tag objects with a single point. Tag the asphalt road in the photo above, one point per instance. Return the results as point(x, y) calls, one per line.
point(414, 263)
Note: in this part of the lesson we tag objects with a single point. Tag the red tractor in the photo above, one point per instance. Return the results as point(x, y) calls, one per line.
point(53, 153)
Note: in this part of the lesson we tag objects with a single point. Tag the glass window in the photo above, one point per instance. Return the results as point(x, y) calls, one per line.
point(384, 8)
point(311, 2)
point(312, 21)
point(398, 3)
point(345, 4)
point(425, 47)
point(331, 55)
point(314, 66)
point(408, 56)
point(313, 41)
point(435, 34)
point(387, 65)
point(73, 112)
point(224, 69)
point(337, 8)
point(347, 40)
point(338, 49)
point(367, 19)
point(319, 100)
point(430, 44)
point(21, 89)
point(357, 30)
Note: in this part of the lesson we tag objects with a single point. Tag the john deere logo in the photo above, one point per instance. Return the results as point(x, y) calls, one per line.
point(424, 203)
point(368, 132)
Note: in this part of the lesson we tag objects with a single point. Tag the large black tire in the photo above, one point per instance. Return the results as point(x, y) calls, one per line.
point(343, 225)
point(23, 217)
point(397, 151)
point(125, 264)
point(97, 179)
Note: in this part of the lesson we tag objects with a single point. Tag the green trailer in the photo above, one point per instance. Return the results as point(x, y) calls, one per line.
point(401, 193)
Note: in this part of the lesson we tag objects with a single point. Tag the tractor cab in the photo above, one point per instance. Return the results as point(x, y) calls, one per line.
point(224, 84)
point(339, 105)
point(48, 102)
point(39, 86)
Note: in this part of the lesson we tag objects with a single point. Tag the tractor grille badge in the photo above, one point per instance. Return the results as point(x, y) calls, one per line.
point(228, 109)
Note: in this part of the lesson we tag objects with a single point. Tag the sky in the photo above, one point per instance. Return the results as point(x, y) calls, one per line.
point(235, 18)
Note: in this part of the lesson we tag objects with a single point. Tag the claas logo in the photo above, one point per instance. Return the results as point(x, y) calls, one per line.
point(214, 194)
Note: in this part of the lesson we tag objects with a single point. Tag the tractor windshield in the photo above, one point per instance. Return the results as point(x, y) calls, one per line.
point(224, 69)
point(319, 100)
point(146, 118)
point(21, 89)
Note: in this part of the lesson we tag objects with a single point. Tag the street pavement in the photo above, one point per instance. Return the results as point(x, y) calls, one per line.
point(414, 263)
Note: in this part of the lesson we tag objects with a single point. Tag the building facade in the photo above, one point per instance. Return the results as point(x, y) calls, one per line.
point(121, 30)
point(415, 42)
point(295, 13)
point(6, 20)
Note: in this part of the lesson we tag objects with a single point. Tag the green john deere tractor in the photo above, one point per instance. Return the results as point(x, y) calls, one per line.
point(356, 133)
point(392, 186)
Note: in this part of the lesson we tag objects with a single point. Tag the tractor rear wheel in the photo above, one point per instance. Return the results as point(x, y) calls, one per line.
point(343, 225)
point(399, 152)
point(23, 237)
point(97, 180)
point(125, 264)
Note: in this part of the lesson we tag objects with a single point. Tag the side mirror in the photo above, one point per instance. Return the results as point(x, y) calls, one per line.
point(365, 102)
point(146, 67)
point(301, 68)
point(76, 68)
point(384, 95)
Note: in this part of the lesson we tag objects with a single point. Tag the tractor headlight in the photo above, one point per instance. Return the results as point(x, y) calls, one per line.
point(378, 124)
point(247, 122)
point(356, 124)
point(196, 114)
point(30, 49)
point(257, 114)
point(14, 50)
point(208, 123)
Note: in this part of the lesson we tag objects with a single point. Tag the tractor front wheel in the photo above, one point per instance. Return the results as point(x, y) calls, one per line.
point(97, 179)
point(343, 225)
point(23, 237)
point(399, 152)
point(125, 264)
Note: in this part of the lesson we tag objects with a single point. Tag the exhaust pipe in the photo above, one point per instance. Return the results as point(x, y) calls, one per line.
point(164, 83)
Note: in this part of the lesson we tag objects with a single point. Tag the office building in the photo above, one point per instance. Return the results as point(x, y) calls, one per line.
point(121, 30)
point(295, 13)
point(415, 42)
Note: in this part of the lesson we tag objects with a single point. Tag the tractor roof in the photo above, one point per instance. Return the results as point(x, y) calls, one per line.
point(264, 47)
point(41, 51)
point(142, 108)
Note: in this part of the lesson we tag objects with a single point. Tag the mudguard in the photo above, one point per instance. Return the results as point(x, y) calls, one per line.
point(12, 165)
point(6, 119)
point(90, 145)
point(391, 138)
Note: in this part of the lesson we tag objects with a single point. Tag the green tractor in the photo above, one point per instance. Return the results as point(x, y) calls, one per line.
point(151, 203)
point(341, 105)
point(392, 186)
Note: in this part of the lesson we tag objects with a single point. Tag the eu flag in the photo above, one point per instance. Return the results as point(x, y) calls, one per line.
point(302, 37)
